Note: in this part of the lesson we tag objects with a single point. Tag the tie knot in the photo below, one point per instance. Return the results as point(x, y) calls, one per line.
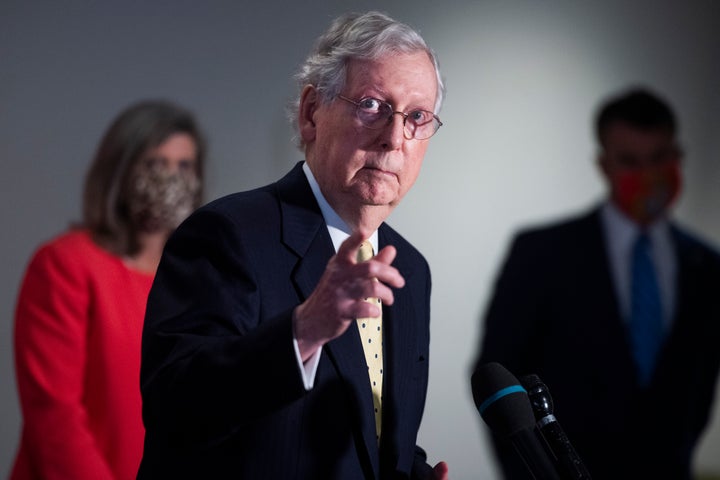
point(642, 243)
point(365, 252)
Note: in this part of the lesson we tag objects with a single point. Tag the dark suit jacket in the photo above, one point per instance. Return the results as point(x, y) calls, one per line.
point(222, 392)
point(554, 313)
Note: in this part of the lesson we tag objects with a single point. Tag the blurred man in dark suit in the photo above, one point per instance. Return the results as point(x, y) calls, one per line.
point(617, 310)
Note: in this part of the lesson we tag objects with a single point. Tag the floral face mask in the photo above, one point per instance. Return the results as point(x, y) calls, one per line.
point(160, 199)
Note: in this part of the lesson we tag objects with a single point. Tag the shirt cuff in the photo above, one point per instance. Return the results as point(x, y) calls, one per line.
point(309, 368)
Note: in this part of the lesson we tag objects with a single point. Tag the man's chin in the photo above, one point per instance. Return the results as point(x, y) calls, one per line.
point(378, 195)
point(388, 201)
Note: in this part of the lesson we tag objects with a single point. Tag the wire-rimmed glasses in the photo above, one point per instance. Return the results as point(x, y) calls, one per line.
point(376, 114)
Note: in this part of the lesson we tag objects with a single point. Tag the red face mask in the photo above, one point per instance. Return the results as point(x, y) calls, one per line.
point(645, 194)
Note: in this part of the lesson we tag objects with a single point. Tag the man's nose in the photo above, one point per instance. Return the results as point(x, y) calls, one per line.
point(394, 133)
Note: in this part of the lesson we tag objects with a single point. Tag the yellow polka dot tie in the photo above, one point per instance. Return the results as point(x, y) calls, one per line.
point(371, 335)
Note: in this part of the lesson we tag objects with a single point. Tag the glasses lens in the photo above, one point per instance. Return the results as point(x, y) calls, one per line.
point(421, 117)
point(373, 113)
point(421, 124)
point(376, 114)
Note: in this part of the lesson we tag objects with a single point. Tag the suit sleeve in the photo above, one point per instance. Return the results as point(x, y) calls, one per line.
point(512, 317)
point(211, 361)
point(51, 327)
point(512, 323)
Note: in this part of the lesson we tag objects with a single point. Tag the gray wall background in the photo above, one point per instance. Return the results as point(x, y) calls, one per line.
point(523, 80)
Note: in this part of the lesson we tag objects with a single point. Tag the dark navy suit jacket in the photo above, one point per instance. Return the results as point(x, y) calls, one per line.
point(554, 313)
point(222, 392)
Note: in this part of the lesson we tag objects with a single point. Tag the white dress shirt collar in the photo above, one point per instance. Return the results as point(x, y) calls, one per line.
point(338, 229)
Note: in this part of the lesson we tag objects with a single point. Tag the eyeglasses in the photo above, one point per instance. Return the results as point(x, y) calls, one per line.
point(376, 114)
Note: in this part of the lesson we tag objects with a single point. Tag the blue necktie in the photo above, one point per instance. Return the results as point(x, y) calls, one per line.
point(646, 326)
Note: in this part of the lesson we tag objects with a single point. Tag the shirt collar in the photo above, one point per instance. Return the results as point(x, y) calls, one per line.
point(625, 230)
point(338, 229)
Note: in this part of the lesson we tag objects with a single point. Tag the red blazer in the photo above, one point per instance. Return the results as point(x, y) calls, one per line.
point(78, 325)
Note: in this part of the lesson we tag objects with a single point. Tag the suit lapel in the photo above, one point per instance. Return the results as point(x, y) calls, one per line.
point(400, 329)
point(401, 322)
point(691, 297)
point(595, 300)
point(305, 233)
point(347, 355)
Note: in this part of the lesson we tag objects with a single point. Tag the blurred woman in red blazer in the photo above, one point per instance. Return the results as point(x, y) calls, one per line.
point(80, 309)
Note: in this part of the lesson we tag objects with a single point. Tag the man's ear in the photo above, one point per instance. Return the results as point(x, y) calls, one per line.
point(309, 103)
point(602, 163)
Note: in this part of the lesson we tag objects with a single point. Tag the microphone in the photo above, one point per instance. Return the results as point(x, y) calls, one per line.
point(504, 405)
point(567, 459)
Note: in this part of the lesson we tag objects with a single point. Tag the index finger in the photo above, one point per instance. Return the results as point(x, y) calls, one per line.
point(349, 248)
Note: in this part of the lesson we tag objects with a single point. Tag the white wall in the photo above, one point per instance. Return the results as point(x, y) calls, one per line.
point(523, 81)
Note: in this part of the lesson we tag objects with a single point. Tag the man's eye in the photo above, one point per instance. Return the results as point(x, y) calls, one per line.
point(370, 104)
point(628, 161)
point(420, 117)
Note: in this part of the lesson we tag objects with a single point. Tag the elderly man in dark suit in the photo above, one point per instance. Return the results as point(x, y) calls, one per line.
point(625, 339)
point(253, 365)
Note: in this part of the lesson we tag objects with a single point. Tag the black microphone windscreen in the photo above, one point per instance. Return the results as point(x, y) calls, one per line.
point(501, 400)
